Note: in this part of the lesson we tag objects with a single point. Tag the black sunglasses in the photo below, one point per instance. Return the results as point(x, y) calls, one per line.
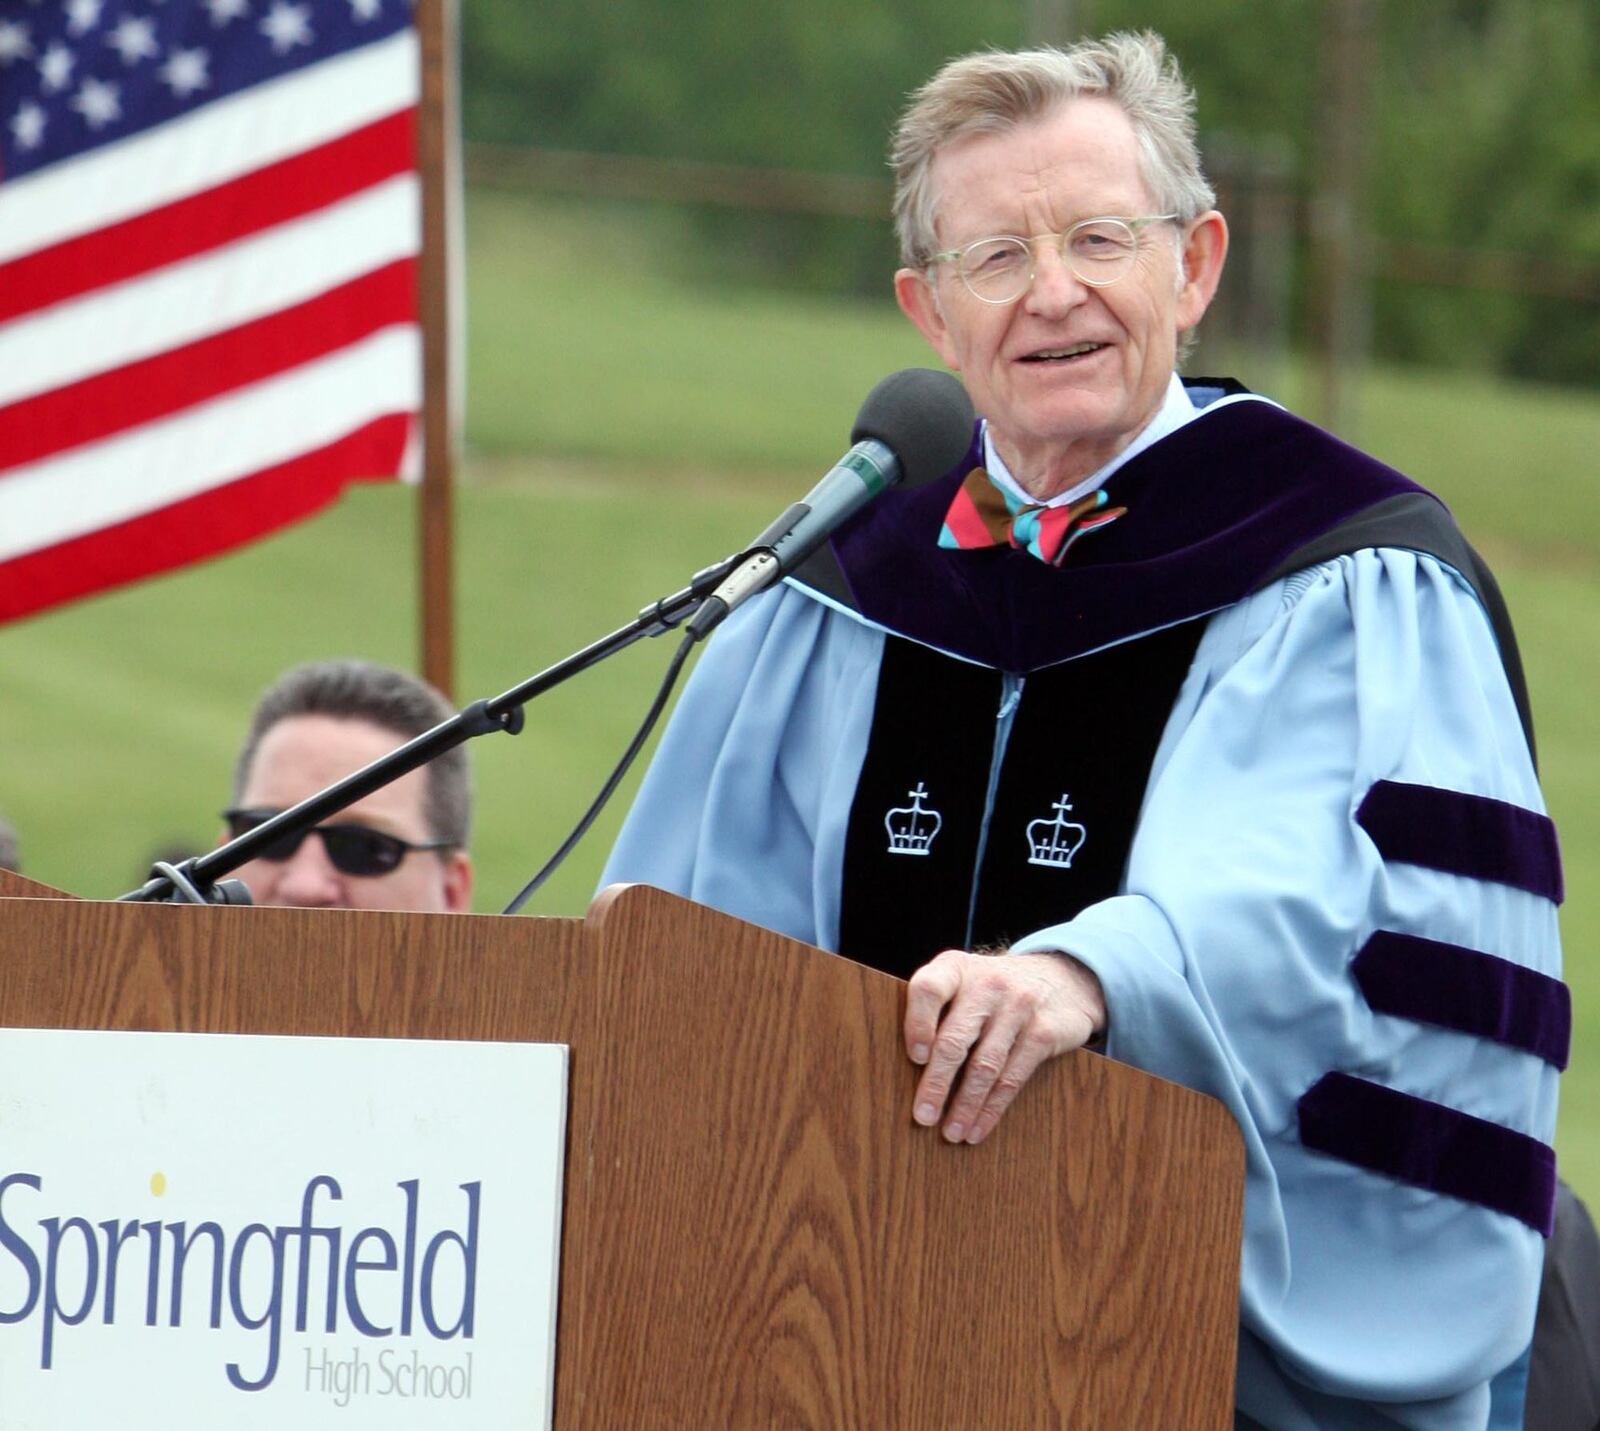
point(352, 849)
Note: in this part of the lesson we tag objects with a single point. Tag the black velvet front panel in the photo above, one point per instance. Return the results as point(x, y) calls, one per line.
point(936, 859)
point(908, 875)
point(1084, 737)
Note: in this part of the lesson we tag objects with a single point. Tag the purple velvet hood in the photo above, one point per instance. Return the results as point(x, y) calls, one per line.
point(1213, 510)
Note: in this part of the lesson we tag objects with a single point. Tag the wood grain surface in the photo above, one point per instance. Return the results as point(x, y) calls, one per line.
point(15, 886)
point(754, 1231)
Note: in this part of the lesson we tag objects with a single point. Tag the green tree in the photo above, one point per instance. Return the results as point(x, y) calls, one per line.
point(1486, 127)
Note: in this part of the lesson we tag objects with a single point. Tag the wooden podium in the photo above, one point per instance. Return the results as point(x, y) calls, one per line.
point(755, 1234)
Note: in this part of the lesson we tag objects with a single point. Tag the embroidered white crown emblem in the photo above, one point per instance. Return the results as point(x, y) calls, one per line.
point(1055, 842)
point(912, 827)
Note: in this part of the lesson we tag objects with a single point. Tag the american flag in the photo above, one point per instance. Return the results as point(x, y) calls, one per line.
point(209, 228)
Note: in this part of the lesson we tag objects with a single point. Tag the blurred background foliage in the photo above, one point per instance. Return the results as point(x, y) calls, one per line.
point(1480, 202)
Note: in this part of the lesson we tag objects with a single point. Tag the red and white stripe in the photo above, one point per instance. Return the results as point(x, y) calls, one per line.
point(208, 328)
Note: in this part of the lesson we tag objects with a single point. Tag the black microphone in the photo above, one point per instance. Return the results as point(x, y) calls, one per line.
point(914, 426)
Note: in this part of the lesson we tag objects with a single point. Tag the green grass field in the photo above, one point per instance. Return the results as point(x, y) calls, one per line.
point(624, 429)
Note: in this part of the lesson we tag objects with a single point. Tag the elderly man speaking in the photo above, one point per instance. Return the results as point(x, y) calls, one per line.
point(1171, 725)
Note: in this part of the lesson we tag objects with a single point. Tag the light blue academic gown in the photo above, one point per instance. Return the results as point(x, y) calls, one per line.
point(1365, 1302)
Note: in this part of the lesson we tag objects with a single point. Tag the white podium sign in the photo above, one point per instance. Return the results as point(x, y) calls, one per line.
point(203, 1230)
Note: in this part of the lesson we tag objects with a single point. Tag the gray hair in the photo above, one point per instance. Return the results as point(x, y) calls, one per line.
point(994, 91)
point(382, 696)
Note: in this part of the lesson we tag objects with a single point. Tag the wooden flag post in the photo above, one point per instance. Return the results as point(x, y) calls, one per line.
point(436, 160)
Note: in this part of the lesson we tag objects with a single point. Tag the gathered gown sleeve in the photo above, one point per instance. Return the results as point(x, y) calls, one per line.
point(1254, 881)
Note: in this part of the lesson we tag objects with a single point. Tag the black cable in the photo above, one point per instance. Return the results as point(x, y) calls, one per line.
point(182, 885)
point(614, 779)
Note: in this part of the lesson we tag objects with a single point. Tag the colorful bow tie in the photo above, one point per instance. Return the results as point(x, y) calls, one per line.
point(982, 515)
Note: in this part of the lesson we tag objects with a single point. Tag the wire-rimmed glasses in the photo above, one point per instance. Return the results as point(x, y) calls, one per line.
point(1098, 251)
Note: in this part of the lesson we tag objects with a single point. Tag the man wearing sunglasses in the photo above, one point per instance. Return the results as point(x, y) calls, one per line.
point(1201, 726)
point(402, 847)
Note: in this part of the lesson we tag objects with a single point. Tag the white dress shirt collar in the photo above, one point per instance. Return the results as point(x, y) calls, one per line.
point(1175, 410)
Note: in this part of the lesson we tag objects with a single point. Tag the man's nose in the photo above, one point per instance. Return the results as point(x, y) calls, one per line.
point(1055, 287)
point(308, 879)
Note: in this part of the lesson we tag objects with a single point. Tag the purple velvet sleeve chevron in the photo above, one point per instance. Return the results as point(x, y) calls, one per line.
point(1462, 834)
point(1431, 1146)
point(1466, 990)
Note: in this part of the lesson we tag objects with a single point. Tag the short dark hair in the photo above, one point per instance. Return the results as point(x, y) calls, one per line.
point(9, 858)
point(392, 700)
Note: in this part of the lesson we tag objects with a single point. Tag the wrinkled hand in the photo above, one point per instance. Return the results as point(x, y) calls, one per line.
point(997, 1017)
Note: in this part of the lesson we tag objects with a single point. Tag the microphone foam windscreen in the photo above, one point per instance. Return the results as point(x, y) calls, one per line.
point(924, 417)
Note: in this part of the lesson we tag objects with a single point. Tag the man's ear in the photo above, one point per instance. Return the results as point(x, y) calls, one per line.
point(458, 884)
point(920, 304)
point(1204, 251)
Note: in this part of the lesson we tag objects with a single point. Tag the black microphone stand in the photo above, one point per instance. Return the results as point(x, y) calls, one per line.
point(200, 879)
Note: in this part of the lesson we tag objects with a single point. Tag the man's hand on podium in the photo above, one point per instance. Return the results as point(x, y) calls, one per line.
point(993, 1019)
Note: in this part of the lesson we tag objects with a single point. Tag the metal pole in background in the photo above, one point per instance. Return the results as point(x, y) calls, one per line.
point(1053, 22)
point(1340, 296)
point(437, 161)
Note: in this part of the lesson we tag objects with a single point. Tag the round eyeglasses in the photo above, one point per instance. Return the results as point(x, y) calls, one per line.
point(1098, 251)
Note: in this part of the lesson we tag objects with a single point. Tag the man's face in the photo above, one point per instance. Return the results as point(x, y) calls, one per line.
point(301, 755)
point(1057, 418)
